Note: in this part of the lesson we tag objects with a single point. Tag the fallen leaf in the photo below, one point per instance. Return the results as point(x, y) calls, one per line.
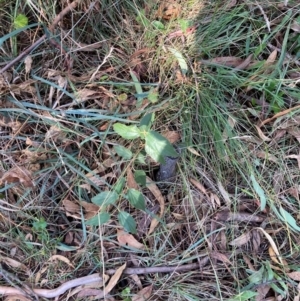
point(272, 57)
point(273, 255)
point(229, 61)
point(114, 280)
point(294, 275)
point(15, 264)
point(198, 185)
point(18, 175)
point(224, 193)
point(125, 238)
point(266, 156)
point(193, 151)
point(172, 136)
point(168, 9)
point(296, 26)
point(262, 135)
point(55, 133)
point(272, 243)
point(262, 292)
point(157, 194)
point(131, 183)
point(61, 258)
point(28, 63)
point(143, 294)
point(221, 257)
point(241, 240)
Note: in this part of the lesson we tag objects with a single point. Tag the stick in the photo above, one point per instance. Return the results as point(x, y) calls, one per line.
point(48, 293)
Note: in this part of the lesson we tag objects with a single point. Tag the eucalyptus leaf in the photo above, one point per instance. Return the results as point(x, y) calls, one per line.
point(158, 147)
point(260, 192)
point(127, 222)
point(181, 61)
point(288, 218)
point(126, 131)
point(98, 220)
point(136, 199)
point(105, 198)
point(123, 152)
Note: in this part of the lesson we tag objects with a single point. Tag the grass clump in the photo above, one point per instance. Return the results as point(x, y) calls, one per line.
point(93, 110)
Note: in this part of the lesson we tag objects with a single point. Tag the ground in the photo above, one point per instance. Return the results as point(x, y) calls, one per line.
point(98, 97)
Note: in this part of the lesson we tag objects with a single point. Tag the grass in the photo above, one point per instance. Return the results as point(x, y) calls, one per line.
point(58, 144)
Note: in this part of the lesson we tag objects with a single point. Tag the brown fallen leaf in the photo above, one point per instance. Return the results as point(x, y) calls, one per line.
point(198, 185)
point(229, 61)
point(169, 9)
point(272, 57)
point(73, 209)
point(113, 281)
point(241, 240)
point(294, 275)
point(143, 294)
point(131, 183)
point(28, 63)
point(172, 136)
point(15, 264)
point(18, 175)
point(61, 258)
point(125, 238)
point(157, 194)
point(273, 256)
point(261, 134)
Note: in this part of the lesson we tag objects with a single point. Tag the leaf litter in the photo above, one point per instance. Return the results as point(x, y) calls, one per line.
point(210, 210)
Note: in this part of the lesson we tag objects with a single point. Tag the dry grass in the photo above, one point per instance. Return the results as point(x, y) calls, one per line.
point(234, 205)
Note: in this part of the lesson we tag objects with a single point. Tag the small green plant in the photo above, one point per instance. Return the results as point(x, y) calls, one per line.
point(157, 147)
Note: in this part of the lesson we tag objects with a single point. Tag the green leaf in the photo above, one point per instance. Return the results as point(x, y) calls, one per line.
point(123, 152)
point(138, 88)
point(153, 95)
point(39, 225)
point(126, 131)
point(158, 25)
point(260, 192)
point(105, 198)
point(181, 61)
point(140, 177)
point(257, 276)
point(20, 21)
point(140, 159)
point(147, 120)
point(288, 218)
point(243, 296)
point(127, 222)
point(184, 24)
point(98, 220)
point(118, 187)
point(158, 147)
point(136, 199)
point(62, 247)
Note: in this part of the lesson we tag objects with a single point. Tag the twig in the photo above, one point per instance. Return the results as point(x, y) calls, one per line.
point(278, 115)
point(48, 293)
point(42, 38)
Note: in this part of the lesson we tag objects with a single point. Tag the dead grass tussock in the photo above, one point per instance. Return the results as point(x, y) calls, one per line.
point(57, 147)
